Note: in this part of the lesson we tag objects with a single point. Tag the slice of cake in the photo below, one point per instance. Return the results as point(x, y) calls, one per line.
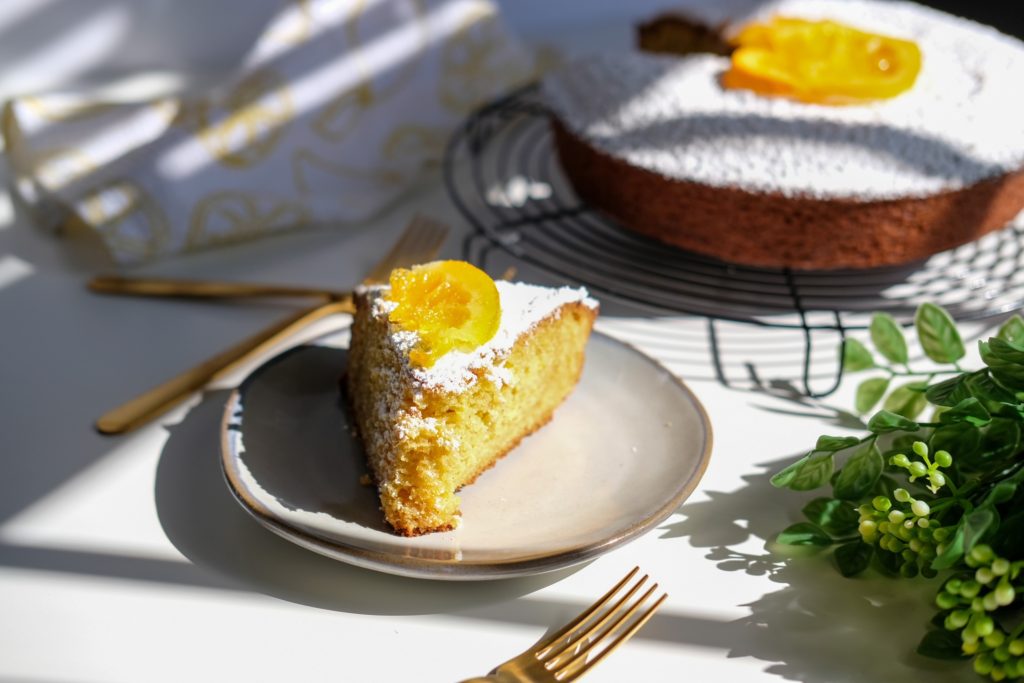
point(448, 371)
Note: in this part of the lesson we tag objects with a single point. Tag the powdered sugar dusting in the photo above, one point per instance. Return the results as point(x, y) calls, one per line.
point(522, 307)
point(959, 124)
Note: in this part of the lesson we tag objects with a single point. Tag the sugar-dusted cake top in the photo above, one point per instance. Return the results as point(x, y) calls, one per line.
point(522, 307)
point(958, 124)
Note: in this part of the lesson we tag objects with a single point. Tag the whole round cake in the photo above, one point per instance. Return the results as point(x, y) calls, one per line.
point(663, 146)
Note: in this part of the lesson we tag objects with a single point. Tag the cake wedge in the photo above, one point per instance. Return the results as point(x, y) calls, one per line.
point(430, 427)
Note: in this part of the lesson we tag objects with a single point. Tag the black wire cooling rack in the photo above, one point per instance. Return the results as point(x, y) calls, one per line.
point(503, 175)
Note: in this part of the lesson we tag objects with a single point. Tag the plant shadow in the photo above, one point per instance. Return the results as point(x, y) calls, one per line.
point(818, 626)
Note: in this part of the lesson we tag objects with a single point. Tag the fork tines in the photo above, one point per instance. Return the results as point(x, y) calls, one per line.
point(606, 625)
point(420, 242)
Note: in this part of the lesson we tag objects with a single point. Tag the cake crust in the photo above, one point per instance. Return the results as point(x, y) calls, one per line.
point(773, 230)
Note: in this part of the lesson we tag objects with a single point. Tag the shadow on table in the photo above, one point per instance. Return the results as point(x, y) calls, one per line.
point(206, 524)
point(819, 626)
point(816, 627)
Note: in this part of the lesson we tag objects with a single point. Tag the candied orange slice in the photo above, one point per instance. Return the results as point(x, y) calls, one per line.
point(823, 62)
point(451, 305)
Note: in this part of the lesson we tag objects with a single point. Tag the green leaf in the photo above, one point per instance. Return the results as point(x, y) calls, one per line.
point(961, 439)
point(854, 557)
point(975, 525)
point(886, 485)
point(834, 516)
point(904, 443)
point(1010, 541)
point(859, 474)
point(1010, 376)
point(997, 443)
point(967, 410)
point(1007, 373)
point(1000, 440)
point(954, 550)
point(969, 532)
point(835, 443)
point(942, 644)
point(983, 387)
point(1012, 330)
point(887, 336)
point(815, 472)
point(1000, 493)
point(949, 392)
point(938, 334)
point(1009, 352)
point(890, 562)
point(804, 533)
point(783, 477)
point(907, 400)
point(887, 421)
point(870, 392)
point(809, 472)
point(856, 356)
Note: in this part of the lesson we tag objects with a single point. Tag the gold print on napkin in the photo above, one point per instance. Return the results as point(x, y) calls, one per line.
point(232, 216)
point(341, 115)
point(387, 83)
point(53, 110)
point(305, 160)
point(415, 145)
point(251, 123)
point(109, 209)
point(56, 168)
point(471, 66)
point(166, 110)
point(293, 26)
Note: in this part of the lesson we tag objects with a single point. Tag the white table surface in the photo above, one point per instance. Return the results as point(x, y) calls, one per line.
point(126, 559)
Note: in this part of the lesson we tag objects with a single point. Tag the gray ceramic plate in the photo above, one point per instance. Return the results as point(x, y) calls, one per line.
point(621, 454)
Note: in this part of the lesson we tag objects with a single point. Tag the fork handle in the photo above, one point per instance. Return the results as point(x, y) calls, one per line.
point(497, 676)
point(202, 289)
point(162, 398)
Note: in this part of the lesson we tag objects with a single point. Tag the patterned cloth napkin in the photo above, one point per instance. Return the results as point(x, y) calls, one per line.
point(340, 104)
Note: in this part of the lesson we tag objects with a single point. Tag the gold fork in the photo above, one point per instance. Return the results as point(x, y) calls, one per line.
point(217, 289)
point(420, 242)
point(206, 289)
point(584, 642)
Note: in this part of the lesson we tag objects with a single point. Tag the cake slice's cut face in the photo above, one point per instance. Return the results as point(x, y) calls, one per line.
point(430, 431)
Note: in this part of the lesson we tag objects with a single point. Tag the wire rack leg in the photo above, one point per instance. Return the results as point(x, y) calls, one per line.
point(808, 355)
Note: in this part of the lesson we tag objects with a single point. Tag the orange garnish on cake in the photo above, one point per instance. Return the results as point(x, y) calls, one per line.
point(451, 305)
point(822, 62)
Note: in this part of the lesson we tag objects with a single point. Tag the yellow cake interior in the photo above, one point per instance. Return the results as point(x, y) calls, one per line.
point(429, 432)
